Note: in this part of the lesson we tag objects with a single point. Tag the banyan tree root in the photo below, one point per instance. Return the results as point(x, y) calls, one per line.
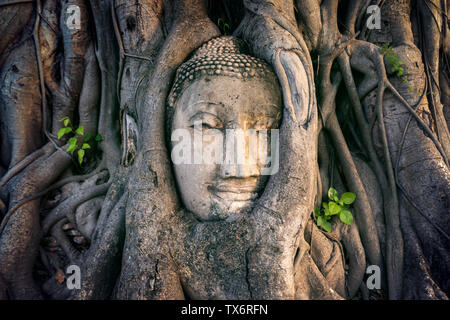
point(20, 227)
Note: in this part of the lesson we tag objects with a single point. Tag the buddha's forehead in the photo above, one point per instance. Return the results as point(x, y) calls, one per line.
point(248, 95)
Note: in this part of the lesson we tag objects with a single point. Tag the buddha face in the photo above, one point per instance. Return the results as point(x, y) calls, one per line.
point(209, 110)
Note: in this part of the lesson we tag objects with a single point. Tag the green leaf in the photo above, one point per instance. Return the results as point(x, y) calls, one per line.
point(385, 47)
point(320, 221)
point(333, 194)
point(71, 148)
point(65, 119)
point(63, 131)
point(317, 212)
point(87, 137)
point(334, 208)
point(348, 197)
point(80, 130)
point(80, 156)
point(98, 137)
point(325, 208)
point(85, 146)
point(346, 217)
point(73, 141)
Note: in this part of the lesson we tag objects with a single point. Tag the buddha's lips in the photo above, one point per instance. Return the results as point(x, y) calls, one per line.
point(236, 196)
point(236, 189)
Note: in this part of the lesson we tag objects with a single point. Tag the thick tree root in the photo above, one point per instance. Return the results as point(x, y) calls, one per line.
point(101, 264)
point(67, 208)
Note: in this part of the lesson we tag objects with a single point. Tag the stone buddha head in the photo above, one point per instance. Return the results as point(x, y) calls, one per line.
point(222, 109)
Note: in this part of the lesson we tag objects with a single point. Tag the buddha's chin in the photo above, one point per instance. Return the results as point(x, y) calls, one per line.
point(229, 210)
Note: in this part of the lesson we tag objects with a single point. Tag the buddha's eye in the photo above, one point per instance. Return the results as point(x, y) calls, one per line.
point(264, 124)
point(204, 126)
point(205, 120)
point(265, 118)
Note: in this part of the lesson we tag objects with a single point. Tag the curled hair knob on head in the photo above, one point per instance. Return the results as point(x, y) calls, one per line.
point(227, 56)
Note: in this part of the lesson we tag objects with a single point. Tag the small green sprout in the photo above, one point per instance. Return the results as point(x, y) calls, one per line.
point(336, 206)
point(73, 141)
point(393, 59)
point(224, 26)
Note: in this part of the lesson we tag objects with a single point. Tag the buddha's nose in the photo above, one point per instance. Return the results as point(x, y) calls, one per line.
point(240, 158)
point(243, 165)
point(239, 170)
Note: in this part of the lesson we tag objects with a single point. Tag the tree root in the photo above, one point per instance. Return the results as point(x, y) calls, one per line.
point(422, 124)
point(40, 194)
point(62, 239)
point(365, 222)
point(310, 282)
point(67, 207)
point(22, 164)
point(404, 193)
point(11, 2)
point(102, 261)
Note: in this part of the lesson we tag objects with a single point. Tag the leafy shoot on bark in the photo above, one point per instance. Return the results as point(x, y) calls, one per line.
point(73, 141)
point(223, 26)
point(336, 206)
point(392, 58)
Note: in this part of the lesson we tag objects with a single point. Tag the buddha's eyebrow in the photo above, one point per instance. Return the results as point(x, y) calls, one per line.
point(202, 104)
point(274, 106)
point(210, 103)
point(199, 113)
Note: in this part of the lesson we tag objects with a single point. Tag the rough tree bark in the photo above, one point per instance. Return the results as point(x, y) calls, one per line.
point(349, 122)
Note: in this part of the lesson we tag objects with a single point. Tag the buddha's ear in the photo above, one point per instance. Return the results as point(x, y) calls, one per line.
point(294, 84)
point(274, 37)
point(130, 136)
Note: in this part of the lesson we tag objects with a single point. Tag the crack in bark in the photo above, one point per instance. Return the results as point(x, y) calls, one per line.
point(156, 273)
point(247, 272)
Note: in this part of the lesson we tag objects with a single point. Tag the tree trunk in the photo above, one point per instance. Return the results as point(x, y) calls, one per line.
point(364, 110)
